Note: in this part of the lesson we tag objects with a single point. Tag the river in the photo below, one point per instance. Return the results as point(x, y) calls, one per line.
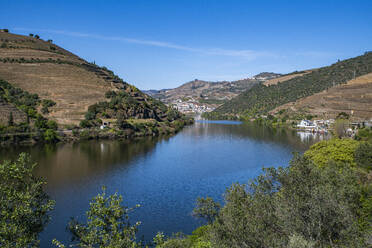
point(165, 175)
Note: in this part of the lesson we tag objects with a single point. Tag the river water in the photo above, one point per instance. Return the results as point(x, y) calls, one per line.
point(165, 175)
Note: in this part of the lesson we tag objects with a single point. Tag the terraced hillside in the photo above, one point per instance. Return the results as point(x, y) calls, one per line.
point(261, 99)
point(43, 68)
point(353, 98)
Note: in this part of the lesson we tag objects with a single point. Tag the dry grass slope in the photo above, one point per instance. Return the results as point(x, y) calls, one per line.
point(354, 98)
point(73, 85)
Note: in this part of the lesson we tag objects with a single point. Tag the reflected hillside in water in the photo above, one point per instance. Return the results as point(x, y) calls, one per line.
point(298, 141)
point(71, 162)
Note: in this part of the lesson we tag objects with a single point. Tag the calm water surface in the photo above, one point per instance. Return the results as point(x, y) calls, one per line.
point(164, 175)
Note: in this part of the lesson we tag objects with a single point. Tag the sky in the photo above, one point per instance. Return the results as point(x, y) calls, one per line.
point(165, 43)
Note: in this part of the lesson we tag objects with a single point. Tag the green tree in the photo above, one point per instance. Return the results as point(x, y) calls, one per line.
point(24, 205)
point(299, 206)
point(206, 208)
point(340, 127)
point(50, 136)
point(107, 226)
point(52, 124)
point(363, 155)
point(338, 150)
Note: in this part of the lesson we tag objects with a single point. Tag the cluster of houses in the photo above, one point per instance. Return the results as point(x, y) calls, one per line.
point(322, 126)
point(318, 126)
point(191, 107)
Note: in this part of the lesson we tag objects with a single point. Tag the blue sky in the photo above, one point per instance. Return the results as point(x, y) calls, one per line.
point(162, 44)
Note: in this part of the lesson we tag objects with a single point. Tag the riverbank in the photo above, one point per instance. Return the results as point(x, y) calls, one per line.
point(135, 129)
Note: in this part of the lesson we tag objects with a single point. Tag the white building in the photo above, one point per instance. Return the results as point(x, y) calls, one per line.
point(306, 124)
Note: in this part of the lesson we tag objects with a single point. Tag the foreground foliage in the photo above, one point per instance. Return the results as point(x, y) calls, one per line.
point(323, 199)
point(107, 225)
point(24, 205)
point(338, 150)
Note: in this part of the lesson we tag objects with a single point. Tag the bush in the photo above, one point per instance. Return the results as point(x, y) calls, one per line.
point(206, 209)
point(24, 205)
point(50, 136)
point(110, 94)
point(107, 224)
point(338, 150)
point(363, 155)
point(85, 124)
point(90, 115)
point(52, 125)
point(364, 134)
point(297, 206)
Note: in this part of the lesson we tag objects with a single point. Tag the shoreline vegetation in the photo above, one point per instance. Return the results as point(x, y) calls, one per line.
point(110, 108)
point(321, 199)
point(26, 122)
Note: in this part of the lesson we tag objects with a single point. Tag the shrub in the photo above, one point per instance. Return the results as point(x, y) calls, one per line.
point(338, 150)
point(52, 125)
point(293, 207)
point(50, 136)
point(85, 124)
point(90, 115)
point(363, 155)
point(206, 209)
point(107, 224)
point(24, 205)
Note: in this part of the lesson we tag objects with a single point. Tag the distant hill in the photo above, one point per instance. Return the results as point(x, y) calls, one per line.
point(264, 97)
point(266, 76)
point(205, 91)
point(41, 67)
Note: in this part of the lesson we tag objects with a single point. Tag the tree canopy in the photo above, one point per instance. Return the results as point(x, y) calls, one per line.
point(24, 205)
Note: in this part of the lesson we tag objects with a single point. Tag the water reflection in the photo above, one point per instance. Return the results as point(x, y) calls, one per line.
point(72, 162)
point(165, 175)
point(282, 136)
point(309, 137)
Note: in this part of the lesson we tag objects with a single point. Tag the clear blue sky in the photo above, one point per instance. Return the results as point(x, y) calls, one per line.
point(162, 44)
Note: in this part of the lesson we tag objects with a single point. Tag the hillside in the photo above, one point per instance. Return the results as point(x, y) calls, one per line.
point(283, 78)
point(353, 98)
point(73, 84)
point(200, 96)
point(199, 89)
point(264, 76)
point(261, 98)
